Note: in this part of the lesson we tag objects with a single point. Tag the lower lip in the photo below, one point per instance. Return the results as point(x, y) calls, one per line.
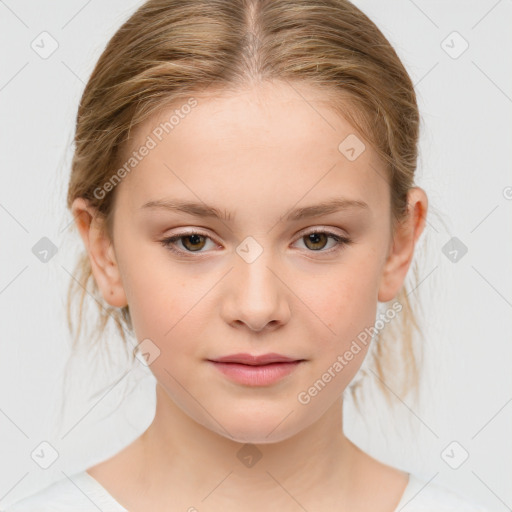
point(252, 375)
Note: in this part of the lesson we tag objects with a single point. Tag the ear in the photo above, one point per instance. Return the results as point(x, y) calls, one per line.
point(101, 252)
point(402, 246)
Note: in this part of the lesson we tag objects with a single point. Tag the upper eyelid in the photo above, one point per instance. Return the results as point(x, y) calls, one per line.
point(302, 233)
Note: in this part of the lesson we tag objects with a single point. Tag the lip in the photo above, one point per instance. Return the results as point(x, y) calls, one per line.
point(249, 359)
point(256, 370)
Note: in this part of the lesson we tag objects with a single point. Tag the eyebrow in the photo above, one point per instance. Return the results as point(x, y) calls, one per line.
point(203, 210)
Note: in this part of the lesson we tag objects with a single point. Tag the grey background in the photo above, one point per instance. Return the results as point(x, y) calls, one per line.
point(464, 166)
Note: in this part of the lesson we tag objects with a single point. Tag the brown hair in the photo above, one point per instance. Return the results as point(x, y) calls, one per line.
point(170, 50)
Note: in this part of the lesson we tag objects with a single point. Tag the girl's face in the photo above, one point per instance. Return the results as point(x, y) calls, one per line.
point(256, 280)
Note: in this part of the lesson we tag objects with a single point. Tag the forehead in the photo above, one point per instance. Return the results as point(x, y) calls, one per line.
point(246, 147)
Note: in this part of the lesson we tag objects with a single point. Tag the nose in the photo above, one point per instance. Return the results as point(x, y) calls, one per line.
point(256, 295)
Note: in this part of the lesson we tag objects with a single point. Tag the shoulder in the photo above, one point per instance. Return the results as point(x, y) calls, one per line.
point(422, 495)
point(76, 492)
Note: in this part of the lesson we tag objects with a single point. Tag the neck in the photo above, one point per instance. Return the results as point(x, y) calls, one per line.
point(319, 457)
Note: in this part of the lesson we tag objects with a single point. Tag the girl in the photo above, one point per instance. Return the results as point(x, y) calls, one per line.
point(243, 183)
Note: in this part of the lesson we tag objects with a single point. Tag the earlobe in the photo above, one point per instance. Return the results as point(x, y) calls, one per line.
point(101, 253)
point(402, 249)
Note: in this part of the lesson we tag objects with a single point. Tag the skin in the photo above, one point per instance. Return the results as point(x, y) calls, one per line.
point(258, 154)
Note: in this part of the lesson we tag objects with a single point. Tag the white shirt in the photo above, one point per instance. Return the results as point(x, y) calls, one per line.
point(82, 493)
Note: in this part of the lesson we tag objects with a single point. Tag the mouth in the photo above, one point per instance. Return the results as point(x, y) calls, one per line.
point(256, 370)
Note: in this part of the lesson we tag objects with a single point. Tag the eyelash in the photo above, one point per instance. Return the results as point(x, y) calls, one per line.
point(341, 241)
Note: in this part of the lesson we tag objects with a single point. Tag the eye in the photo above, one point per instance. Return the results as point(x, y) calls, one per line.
point(317, 240)
point(192, 242)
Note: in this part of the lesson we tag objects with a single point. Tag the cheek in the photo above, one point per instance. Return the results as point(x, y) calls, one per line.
point(344, 297)
point(162, 296)
point(345, 302)
point(165, 308)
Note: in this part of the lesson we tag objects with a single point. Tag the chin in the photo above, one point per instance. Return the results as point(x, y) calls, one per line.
point(256, 436)
point(258, 428)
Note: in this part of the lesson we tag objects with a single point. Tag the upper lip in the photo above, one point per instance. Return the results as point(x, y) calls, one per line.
point(255, 360)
